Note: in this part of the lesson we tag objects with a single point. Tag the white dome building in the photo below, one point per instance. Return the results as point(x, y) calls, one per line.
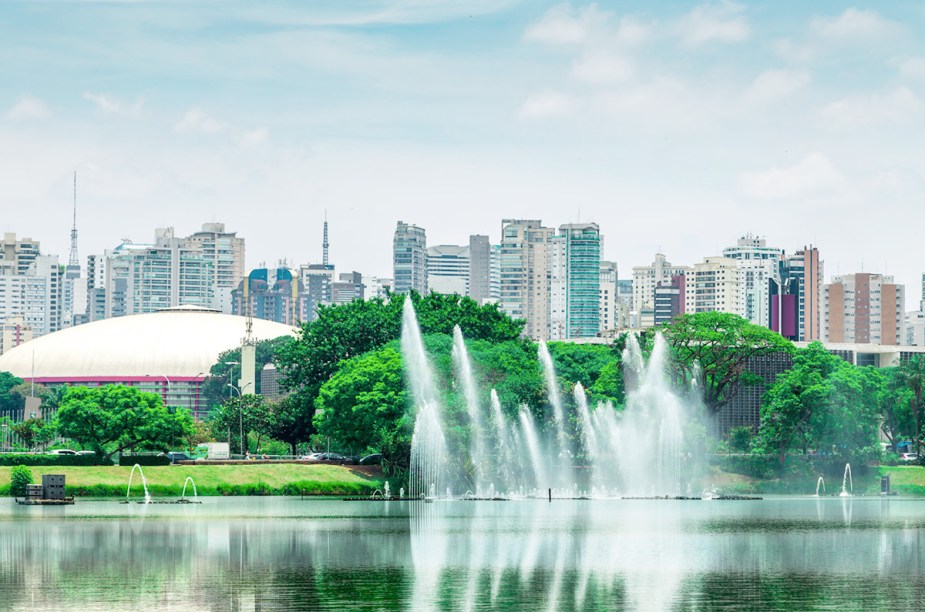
point(168, 352)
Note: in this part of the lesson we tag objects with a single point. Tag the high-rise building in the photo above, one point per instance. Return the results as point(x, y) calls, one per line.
point(409, 258)
point(225, 251)
point(524, 275)
point(864, 308)
point(715, 285)
point(20, 252)
point(377, 287)
point(96, 287)
point(645, 280)
point(608, 296)
point(348, 287)
point(915, 328)
point(583, 278)
point(480, 250)
point(35, 296)
point(796, 296)
point(274, 295)
point(166, 274)
point(760, 264)
point(319, 283)
point(625, 318)
point(670, 299)
point(448, 269)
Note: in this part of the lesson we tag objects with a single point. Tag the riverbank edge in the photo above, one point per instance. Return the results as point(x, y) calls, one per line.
point(211, 480)
point(906, 480)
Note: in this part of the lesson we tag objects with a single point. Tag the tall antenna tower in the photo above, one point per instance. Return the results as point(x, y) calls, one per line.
point(324, 244)
point(73, 263)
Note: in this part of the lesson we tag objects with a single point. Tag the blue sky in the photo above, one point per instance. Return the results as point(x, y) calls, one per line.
point(676, 125)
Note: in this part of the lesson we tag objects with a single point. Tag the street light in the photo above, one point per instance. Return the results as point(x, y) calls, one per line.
point(230, 365)
point(240, 413)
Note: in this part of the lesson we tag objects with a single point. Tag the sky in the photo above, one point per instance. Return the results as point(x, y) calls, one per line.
point(676, 126)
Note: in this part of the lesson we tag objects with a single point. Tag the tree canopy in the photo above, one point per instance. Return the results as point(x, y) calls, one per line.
point(822, 403)
point(115, 418)
point(911, 375)
point(716, 348)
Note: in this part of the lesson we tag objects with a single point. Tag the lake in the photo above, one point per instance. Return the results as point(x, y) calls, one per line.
point(274, 553)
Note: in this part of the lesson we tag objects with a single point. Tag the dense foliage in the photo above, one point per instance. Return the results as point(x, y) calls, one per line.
point(114, 418)
point(715, 348)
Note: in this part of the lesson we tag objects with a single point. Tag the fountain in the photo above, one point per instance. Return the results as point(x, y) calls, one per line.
point(428, 445)
point(387, 494)
point(847, 479)
point(143, 482)
point(189, 480)
point(636, 451)
point(818, 483)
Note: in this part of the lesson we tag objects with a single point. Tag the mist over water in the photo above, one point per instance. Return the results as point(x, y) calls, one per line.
point(597, 451)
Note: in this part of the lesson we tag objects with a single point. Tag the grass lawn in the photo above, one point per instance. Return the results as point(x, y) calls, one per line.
point(250, 479)
point(906, 479)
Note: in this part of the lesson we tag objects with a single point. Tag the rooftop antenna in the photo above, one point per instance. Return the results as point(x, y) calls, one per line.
point(324, 244)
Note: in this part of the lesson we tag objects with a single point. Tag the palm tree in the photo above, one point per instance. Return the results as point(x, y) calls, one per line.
point(911, 374)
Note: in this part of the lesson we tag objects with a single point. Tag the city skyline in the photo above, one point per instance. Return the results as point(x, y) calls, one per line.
point(676, 129)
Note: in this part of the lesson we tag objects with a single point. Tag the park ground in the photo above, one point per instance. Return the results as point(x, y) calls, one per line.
point(248, 479)
point(904, 480)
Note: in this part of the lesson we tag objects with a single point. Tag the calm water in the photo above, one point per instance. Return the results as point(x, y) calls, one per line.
point(277, 553)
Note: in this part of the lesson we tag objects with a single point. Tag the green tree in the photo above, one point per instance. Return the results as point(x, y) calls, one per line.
point(33, 432)
point(364, 402)
point(795, 397)
point(115, 418)
point(911, 375)
point(716, 347)
point(248, 413)
point(344, 331)
point(823, 402)
point(9, 403)
point(740, 438)
point(290, 422)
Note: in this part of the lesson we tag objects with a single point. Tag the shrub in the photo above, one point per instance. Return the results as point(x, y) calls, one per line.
point(20, 476)
point(144, 460)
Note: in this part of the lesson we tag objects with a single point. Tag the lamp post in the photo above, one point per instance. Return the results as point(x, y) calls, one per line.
point(230, 365)
point(240, 412)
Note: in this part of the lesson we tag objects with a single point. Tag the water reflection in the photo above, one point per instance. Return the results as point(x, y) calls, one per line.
point(846, 552)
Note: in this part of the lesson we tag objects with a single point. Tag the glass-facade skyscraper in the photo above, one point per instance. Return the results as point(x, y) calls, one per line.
point(583, 278)
point(409, 258)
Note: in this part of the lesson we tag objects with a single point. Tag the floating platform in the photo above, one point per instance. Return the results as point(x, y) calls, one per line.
point(152, 502)
point(67, 501)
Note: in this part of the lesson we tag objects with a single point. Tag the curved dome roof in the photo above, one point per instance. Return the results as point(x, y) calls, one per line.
point(184, 341)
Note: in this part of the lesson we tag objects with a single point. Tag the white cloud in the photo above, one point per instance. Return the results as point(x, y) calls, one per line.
point(253, 138)
point(602, 68)
point(563, 25)
point(196, 120)
point(912, 67)
point(813, 174)
point(548, 104)
point(722, 22)
point(896, 107)
point(776, 84)
point(111, 106)
point(28, 107)
point(854, 24)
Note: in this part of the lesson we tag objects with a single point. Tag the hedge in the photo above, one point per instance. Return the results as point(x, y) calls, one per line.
point(39, 460)
point(143, 460)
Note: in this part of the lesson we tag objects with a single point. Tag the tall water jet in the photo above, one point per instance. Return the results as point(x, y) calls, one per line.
point(144, 483)
point(476, 428)
point(537, 459)
point(649, 431)
point(555, 400)
point(428, 445)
